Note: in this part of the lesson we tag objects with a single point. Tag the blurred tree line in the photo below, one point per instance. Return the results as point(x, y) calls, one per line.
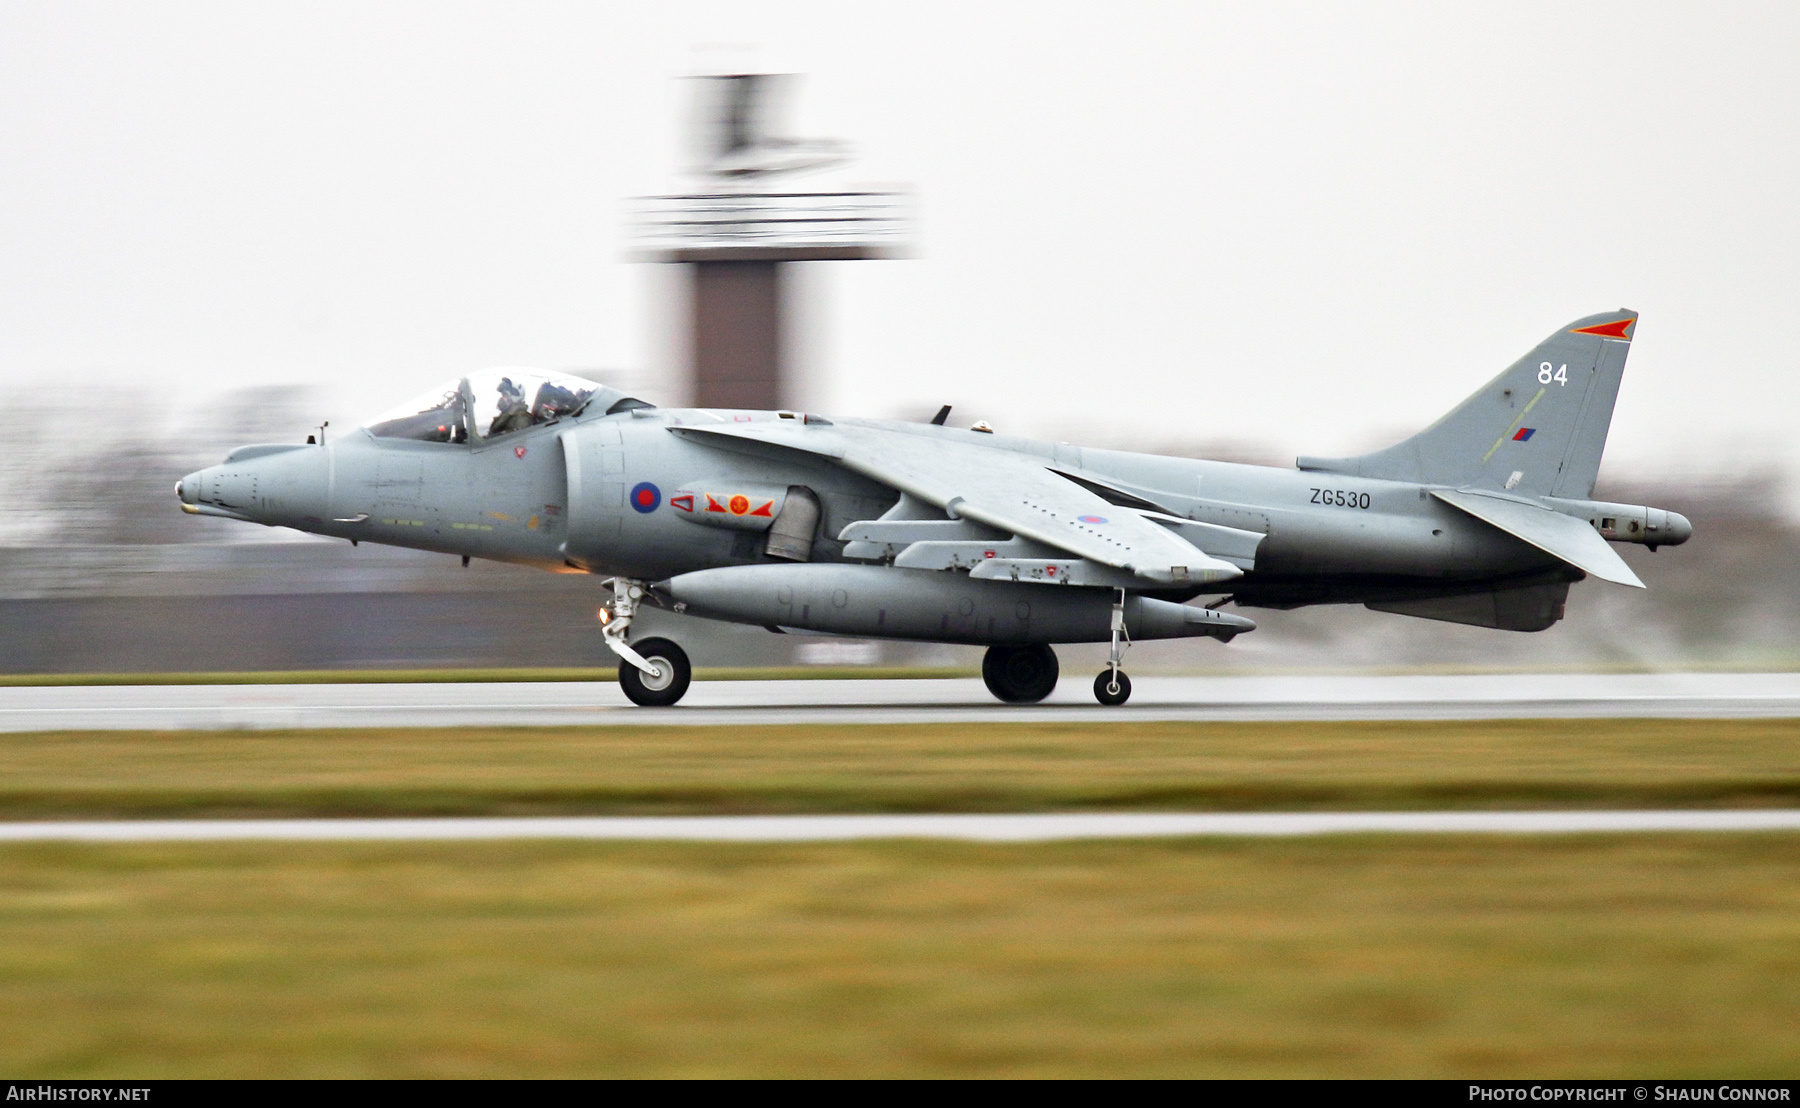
point(100, 569)
point(103, 471)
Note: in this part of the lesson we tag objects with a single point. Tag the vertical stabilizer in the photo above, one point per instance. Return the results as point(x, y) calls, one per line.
point(1538, 429)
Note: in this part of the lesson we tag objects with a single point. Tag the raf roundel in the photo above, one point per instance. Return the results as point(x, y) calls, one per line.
point(1093, 519)
point(646, 497)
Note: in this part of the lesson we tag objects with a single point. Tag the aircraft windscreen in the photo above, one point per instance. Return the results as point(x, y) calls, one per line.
point(512, 400)
point(436, 416)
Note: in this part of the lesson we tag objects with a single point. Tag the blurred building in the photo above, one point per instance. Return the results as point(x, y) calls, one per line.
point(736, 235)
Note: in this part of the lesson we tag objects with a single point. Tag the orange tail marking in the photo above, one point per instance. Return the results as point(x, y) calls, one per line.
point(1614, 330)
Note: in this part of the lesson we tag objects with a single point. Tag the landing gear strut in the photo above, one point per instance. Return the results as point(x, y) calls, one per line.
point(656, 673)
point(1112, 688)
point(1020, 674)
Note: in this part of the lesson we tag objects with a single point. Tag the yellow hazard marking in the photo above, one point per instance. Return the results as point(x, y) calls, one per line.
point(532, 523)
point(472, 526)
point(1506, 434)
point(502, 516)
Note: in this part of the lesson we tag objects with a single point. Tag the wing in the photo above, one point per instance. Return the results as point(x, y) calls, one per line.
point(1010, 492)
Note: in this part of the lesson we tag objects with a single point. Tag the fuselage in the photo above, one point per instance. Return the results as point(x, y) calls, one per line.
point(598, 493)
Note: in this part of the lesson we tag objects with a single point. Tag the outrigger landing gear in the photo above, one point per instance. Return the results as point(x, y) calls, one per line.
point(1112, 688)
point(656, 673)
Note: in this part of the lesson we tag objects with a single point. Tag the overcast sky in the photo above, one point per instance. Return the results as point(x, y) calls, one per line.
point(1306, 225)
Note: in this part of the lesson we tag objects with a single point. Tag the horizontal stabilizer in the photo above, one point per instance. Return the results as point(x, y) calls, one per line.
point(1563, 536)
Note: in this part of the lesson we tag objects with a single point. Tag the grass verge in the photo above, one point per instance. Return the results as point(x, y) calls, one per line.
point(903, 768)
point(1666, 956)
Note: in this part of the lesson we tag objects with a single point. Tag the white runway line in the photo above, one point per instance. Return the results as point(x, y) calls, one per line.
point(740, 703)
point(1048, 827)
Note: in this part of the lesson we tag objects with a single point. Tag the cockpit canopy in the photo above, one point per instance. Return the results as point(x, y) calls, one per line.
point(498, 402)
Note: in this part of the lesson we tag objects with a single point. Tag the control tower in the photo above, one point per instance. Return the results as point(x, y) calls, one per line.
point(736, 232)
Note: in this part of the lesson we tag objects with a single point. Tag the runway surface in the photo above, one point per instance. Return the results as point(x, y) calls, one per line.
point(974, 828)
point(737, 703)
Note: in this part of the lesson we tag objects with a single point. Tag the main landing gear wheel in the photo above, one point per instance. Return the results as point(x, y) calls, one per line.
point(1020, 674)
point(1110, 694)
point(667, 685)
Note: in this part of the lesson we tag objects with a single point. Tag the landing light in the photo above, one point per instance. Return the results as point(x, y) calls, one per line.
point(603, 616)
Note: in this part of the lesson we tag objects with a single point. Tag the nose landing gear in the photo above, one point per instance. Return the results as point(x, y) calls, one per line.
point(656, 673)
point(665, 682)
point(1112, 688)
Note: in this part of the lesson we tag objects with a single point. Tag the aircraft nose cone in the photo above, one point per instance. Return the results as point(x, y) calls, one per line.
point(187, 490)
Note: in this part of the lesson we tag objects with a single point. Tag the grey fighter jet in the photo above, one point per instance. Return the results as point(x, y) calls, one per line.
point(890, 530)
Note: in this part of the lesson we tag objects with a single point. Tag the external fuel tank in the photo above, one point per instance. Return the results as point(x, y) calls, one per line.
point(930, 606)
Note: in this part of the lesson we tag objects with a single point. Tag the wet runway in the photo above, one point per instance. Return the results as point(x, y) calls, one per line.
point(1047, 827)
point(739, 703)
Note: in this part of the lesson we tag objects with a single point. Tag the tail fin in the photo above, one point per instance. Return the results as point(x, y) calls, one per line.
point(1539, 428)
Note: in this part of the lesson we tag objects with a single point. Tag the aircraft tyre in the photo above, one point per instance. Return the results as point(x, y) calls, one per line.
point(1106, 695)
point(673, 674)
point(1020, 674)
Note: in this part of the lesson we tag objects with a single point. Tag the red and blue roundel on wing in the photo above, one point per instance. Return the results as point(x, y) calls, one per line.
point(645, 497)
point(1093, 519)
